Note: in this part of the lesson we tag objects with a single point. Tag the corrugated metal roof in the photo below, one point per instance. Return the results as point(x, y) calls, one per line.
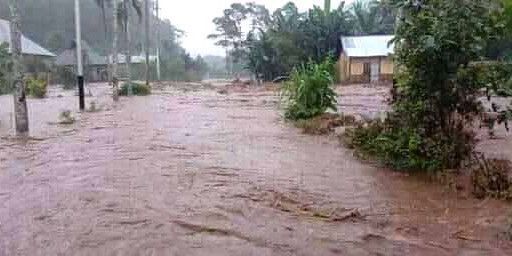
point(136, 59)
point(367, 46)
point(67, 57)
point(27, 45)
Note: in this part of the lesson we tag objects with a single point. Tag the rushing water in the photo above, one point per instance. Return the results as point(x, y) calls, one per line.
point(190, 171)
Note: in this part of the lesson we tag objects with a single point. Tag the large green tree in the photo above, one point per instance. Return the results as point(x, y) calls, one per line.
point(230, 34)
point(437, 87)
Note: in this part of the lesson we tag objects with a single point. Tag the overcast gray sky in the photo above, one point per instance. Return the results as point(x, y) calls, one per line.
point(195, 18)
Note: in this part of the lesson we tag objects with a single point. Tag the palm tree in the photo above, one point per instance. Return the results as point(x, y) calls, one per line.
point(103, 5)
point(124, 20)
point(372, 17)
point(327, 6)
point(18, 81)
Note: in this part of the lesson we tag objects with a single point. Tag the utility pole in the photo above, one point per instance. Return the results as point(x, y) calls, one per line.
point(158, 74)
point(146, 24)
point(115, 32)
point(79, 66)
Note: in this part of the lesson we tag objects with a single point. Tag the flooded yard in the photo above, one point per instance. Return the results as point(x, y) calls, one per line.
point(192, 171)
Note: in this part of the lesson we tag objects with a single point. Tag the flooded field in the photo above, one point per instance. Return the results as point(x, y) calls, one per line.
point(201, 170)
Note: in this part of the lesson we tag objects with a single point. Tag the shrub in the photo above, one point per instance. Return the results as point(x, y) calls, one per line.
point(309, 92)
point(406, 148)
point(137, 89)
point(36, 88)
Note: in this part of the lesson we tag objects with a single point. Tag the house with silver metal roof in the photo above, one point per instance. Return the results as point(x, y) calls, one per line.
point(28, 47)
point(36, 59)
point(366, 59)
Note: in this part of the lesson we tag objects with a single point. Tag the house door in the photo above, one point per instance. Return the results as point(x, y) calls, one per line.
point(367, 72)
point(374, 72)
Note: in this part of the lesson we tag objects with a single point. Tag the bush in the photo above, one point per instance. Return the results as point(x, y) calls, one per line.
point(36, 88)
point(309, 92)
point(137, 89)
point(403, 148)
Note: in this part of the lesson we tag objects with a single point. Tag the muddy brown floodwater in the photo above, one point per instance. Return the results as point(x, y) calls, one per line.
point(190, 171)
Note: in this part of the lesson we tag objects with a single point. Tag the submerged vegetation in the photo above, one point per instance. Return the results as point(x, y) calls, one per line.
point(66, 117)
point(93, 107)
